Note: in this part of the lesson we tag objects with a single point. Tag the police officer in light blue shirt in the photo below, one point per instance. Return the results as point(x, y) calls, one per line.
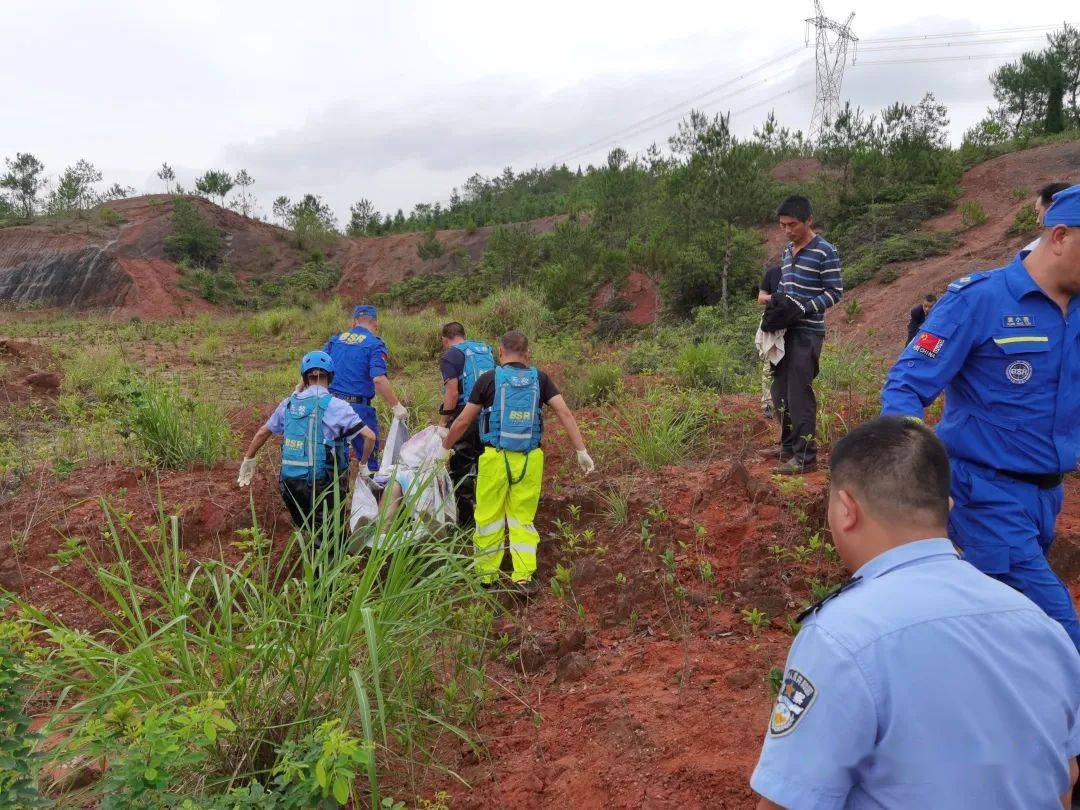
point(921, 683)
point(1004, 345)
point(359, 357)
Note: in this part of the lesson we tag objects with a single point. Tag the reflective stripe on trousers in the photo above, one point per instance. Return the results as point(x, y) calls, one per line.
point(498, 504)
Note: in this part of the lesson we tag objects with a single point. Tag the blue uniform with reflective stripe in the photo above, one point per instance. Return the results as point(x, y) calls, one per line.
point(359, 357)
point(924, 685)
point(1008, 360)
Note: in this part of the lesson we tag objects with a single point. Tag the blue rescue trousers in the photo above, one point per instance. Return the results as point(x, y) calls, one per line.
point(1005, 528)
point(367, 414)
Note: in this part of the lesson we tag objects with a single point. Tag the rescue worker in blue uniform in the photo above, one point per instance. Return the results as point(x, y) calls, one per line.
point(359, 356)
point(1004, 345)
point(920, 683)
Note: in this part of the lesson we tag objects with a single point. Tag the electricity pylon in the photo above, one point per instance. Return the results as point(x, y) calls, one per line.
point(831, 42)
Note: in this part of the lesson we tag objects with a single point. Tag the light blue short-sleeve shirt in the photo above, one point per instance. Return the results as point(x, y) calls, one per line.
point(926, 684)
point(337, 419)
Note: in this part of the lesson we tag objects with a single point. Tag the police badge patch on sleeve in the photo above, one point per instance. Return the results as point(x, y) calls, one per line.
point(795, 698)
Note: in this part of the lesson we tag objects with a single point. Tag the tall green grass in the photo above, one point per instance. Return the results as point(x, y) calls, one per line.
point(594, 384)
point(215, 676)
point(668, 431)
point(177, 432)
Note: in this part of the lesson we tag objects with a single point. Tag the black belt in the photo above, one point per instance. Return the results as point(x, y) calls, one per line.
point(354, 400)
point(1041, 480)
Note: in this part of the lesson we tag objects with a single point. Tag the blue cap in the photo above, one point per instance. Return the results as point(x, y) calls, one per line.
point(1065, 210)
point(365, 311)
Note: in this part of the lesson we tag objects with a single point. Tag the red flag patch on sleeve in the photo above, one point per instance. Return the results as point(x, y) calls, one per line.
point(928, 345)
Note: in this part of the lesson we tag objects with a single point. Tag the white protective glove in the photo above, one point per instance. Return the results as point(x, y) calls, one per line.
point(445, 453)
point(400, 412)
point(442, 432)
point(365, 471)
point(585, 461)
point(247, 472)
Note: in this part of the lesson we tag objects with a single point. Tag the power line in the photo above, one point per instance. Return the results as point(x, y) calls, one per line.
point(680, 109)
point(960, 44)
point(959, 34)
point(681, 106)
point(941, 59)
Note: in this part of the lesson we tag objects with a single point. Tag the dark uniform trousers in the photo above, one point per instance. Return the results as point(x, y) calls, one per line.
point(462, 468)
point(309, 506)
point(793, 393)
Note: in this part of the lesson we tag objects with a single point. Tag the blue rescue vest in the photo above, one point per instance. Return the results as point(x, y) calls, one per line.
point(305, 453)
point(513, 421)
point(478, 359)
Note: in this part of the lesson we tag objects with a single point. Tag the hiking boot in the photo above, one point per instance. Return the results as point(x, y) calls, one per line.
point(795, 467)
point(776, 452)
point(527, 587)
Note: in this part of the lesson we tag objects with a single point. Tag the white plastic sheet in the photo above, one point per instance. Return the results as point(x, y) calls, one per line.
point(365, 509)
point(396, 437)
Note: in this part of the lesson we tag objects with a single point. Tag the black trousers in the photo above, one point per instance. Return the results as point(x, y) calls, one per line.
point(462, 469)
point(310, 505)
point(793, 393)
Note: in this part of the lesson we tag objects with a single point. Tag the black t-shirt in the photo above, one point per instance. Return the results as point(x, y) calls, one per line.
point(483, 393)
point(771, 282)
point(452, 364)
point(452, 367)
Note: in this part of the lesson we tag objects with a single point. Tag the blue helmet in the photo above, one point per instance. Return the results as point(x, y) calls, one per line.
point(320, 360)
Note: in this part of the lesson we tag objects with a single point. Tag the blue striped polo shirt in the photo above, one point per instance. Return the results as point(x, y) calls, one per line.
point(812, 278)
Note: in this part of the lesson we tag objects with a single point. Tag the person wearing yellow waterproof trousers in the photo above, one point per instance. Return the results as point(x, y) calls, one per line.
point(509, 401)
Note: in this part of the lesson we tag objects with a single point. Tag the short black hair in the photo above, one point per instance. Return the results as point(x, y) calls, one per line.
point(897, 467)
point(796, 206)
point(453, 330)
point(929, 298)
point(1047, 192)
point(515, 342)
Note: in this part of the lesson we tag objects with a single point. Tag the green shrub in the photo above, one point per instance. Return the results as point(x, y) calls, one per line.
point(218, 286)
point(511, 308)
point(208, 350)
point(596, 384)
point(711, 365)
point(110, 217)
point(317, 275)
point(177, 432)
point(311, 233)
point(1025, 220)
point(899, 248)
point(17, 760)
point(657, 353)
point(100, 372)
point(272, 322)
point(194, 239)
point(269, 681)
point(411, 338)
point(972, 213)
point(665, 432)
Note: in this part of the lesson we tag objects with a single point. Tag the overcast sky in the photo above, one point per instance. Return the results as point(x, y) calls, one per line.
point(400, 101)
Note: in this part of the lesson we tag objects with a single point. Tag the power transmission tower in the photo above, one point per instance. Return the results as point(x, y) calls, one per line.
point(831, 42)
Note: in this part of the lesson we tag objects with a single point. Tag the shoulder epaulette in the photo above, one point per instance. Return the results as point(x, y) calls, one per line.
point(814, 608)
point(964, 282)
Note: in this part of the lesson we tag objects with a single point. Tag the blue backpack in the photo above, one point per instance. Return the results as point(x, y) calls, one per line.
point(305, 453)
point(513, 421)
point(478, 359)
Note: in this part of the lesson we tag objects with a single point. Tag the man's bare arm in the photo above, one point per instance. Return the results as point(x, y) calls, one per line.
point(449, 400)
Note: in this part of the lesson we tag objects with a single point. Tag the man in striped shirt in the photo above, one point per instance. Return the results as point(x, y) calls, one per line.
point(810, 276)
